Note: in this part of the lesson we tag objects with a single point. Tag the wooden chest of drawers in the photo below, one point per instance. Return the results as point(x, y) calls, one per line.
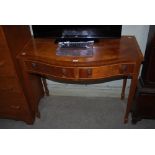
point(14, 101)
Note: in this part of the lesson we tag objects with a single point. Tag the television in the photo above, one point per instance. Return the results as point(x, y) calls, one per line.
point(76, 32)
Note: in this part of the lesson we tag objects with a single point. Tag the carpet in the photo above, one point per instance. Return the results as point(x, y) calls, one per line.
point(68, 112)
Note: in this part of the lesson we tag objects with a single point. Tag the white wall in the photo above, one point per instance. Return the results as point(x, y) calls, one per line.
point(140, 31)
point(105, 89)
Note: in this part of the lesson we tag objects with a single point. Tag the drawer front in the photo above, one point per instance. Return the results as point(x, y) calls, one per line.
point(126, 69)
point(11, 101)
point(62, 72)
point(9, 84)
point(82, 72)
point(6, 67)
point(6, 64)
point(145, 108)
point(106, 71)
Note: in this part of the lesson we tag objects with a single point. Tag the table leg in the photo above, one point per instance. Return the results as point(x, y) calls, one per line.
point(38, 114)
point(132, 91)
point(123, 88)
point(45, 86)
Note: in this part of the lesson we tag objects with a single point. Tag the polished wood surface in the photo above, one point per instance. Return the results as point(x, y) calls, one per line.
point(111, 58)
point(17, 36)
point(12, 99)
point(106, 52)
point(15, 102)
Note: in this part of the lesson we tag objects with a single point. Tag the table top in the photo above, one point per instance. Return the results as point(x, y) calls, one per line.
point(106, 51)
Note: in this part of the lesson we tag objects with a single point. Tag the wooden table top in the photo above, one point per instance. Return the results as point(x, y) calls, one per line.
point(106, 51)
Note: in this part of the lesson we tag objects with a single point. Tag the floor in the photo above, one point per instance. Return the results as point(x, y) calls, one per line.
point(68, 112)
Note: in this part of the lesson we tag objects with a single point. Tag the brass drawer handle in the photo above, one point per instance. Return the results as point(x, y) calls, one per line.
point(34, 64)
point(64, 71)
point(2, 63)
point(89, 72)
point(124, 68)
point(15, 106)
point(7, 89)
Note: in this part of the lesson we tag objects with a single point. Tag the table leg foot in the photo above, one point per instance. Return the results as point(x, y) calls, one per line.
point(122, 96)
point(38, 114)
point(125, 120)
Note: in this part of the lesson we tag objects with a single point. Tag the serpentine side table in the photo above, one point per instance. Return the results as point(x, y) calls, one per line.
point(112, 59)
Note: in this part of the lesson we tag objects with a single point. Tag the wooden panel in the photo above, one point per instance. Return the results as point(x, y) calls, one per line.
point(145, 105)
point(10, 100)
point(106, 71)
point(6, 68)
point(36, 92)
point(16, 36)
point(106, 51)
point(13, 105)
point(83, 72)
point(50, 70)
point(6, 64)
point(126, 69)
point(14, 102)
point(150, 71)
point(9, 84)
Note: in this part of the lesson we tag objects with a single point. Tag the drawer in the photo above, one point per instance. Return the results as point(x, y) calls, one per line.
point(9, 84)
point(6, 67)
point(11, 101)
point(6, 64)
point(106, 71)
point(126, 69)
point(55, 71)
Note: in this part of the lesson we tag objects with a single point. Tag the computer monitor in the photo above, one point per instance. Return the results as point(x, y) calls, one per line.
point(76, 32)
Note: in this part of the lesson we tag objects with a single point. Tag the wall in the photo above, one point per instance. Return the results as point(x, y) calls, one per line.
point(111, 89)
point(140, 31)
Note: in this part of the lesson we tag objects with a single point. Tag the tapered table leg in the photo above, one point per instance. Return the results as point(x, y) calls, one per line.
point(123, 88)
point(45, 86)
point(38, 114)
point(132, 91)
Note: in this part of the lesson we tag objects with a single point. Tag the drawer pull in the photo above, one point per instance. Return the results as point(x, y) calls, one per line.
point(34, 64)
point(7, 89)
point(15, 106)
point(89, 72)
point(124, 68)
point(64, 71)
point(2, 63)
